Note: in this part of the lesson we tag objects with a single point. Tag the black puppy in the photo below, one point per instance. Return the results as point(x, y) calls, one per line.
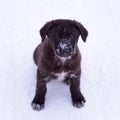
point(58, 57)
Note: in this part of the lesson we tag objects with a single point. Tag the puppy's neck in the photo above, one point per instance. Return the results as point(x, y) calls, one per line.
point(63, 59)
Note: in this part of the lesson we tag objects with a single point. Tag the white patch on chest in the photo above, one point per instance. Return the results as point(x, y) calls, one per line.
point(63, 59)
point(61, 76)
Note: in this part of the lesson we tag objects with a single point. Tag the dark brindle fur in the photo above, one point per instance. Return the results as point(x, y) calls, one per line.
point(59, 41)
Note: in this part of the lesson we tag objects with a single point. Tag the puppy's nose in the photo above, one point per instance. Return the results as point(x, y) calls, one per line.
point(67, 51)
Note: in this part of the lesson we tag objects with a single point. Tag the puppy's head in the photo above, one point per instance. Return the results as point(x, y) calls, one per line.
point(63, 36)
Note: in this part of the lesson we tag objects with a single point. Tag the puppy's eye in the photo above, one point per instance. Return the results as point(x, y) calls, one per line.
point(72, 36)
point(55, 36)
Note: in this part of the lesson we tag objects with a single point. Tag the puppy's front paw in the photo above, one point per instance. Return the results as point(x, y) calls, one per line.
point(37, 106)
point(79, 102)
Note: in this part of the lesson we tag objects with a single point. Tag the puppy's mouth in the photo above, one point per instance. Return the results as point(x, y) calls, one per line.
point(64, 53)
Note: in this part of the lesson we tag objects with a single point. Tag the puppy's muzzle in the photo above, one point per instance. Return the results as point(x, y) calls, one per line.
point(65, 48)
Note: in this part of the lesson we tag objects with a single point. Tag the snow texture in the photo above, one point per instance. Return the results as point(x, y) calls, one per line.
point(63, 46)
point(20, 22)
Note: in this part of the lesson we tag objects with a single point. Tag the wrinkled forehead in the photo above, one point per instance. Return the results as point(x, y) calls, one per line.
point(63, 27)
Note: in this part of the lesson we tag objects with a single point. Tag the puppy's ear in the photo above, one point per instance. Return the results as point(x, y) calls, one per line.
point(82, 30)
point(44, 30)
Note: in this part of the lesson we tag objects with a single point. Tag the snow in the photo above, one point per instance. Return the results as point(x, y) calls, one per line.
point(63, 45)
point(20, 22)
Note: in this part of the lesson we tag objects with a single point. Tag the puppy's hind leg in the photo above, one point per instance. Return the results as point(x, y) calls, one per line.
point(35, 56)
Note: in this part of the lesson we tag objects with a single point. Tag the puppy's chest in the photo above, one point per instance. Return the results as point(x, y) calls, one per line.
point(60, 76)
point(60, 72)
point(62, 66)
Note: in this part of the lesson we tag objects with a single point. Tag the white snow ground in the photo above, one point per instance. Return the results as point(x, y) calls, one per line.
point(20, 22)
